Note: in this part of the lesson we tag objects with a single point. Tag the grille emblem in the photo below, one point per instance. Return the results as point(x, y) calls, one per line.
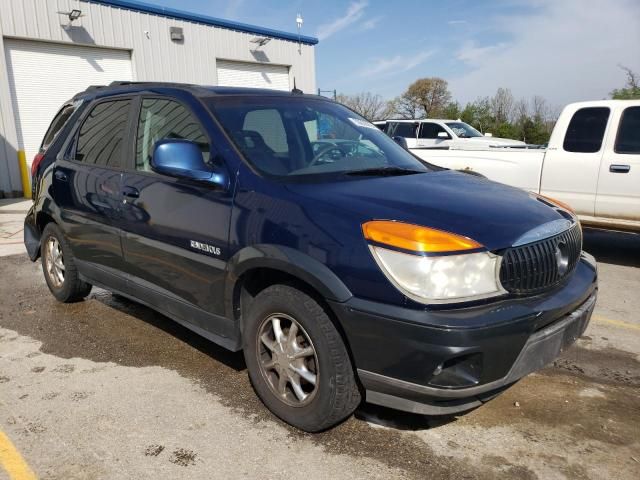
point(562, 258)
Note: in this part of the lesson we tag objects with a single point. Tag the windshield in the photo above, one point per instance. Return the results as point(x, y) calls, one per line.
point(284, 136)
point(463, 130)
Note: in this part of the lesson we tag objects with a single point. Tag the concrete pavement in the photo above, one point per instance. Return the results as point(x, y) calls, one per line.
point(12, 212)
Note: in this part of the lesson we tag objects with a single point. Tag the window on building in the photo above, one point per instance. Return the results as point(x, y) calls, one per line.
point(628, 138)
point(102, 135)
point(162, 119)
point(586, 130)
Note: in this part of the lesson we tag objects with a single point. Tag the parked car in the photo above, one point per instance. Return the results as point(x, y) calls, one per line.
point(287, 226)
point(592, 163)
point(433, 133)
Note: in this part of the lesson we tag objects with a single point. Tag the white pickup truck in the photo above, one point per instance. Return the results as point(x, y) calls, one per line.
point(592, 163)
point(443, 134)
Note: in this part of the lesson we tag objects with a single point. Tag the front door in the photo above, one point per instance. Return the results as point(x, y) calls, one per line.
point(619, 184)
point(176, 231)
point(432, 135)
point(87, 186)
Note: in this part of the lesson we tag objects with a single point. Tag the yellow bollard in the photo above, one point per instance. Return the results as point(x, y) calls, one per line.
point(24, 174)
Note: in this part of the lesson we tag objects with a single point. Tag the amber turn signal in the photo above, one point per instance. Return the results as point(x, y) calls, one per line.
point(415, 237)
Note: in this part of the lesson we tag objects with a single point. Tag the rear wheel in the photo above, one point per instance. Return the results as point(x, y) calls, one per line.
point(59, 267)
point(297, 361)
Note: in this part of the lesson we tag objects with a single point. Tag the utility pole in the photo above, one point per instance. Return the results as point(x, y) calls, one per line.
point(299, 23)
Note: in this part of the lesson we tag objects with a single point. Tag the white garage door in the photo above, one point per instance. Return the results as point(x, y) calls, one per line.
point(256, 75)
point(42, 76)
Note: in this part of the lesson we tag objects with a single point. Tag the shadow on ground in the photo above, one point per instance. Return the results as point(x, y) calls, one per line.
point(613, 247)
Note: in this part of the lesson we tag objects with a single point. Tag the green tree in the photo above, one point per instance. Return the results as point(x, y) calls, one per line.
point(427, 97)
point(631, 91)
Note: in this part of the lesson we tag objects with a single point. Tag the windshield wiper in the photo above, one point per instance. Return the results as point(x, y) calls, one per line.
point(385, 171)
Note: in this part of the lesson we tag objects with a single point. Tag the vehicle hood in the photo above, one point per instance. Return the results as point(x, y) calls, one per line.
point(491, 213)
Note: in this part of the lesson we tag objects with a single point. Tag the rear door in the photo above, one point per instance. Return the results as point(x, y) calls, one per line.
point(619, 180)
point(176, 231)
point(571, 168)
point(87, 185)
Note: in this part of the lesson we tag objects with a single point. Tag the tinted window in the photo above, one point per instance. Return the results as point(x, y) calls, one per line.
point(58, 122)
point(162, 119)
point(586, 130)
point(628, 139)
point(102, 135)
point(431, 130)
point(405, 129)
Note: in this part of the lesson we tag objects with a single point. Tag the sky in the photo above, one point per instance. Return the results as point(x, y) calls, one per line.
point(563, 50)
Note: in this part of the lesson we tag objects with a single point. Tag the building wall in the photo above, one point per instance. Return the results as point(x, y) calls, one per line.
point(154, 56)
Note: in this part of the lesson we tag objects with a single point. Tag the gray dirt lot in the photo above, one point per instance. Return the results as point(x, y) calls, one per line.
point(109, 389)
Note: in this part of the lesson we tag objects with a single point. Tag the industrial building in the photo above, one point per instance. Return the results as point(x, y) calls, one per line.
point(51, 49)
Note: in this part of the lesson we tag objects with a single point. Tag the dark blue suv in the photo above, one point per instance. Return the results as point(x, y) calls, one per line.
point(288, 226)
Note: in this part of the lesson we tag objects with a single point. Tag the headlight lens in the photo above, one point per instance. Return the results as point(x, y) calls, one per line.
point(433, 266)
point(441, 278)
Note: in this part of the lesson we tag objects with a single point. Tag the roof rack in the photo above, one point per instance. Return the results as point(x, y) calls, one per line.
point(122, 83)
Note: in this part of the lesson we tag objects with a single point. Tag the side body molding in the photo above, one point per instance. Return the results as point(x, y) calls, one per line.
point(287, 260)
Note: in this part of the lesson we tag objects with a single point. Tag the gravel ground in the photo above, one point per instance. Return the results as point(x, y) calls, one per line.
point(107, 388)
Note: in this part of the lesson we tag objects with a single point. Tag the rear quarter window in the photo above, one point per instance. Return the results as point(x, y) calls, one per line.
point(586, 130)
point(628, 137)
point(57, 124)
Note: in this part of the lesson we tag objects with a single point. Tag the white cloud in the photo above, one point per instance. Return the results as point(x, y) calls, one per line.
point(370, 24)
point(474, 55)
point(457, 22)
point(396, 64)
point(565, 51)
point(354, 12)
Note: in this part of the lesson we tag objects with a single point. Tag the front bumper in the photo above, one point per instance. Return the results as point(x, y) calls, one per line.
point(444, 362)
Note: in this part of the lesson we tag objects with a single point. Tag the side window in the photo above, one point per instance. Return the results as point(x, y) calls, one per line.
point(59, 121)
point(628, 138)
point(268, 124)
point(586, 130)
point(102, 135)
point(405, 129)
point(162, 119)
point(431, 130)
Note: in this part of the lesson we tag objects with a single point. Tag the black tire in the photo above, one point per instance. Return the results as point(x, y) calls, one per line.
point(335, 395)
point(70, 288)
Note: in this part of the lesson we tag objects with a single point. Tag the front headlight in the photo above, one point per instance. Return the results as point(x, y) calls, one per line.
point(439, 267)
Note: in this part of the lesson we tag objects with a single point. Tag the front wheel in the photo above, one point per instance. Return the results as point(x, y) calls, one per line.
point(297, 361)
point(59, 267)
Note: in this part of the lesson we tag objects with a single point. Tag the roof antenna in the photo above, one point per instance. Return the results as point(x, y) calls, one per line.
point(296, 89)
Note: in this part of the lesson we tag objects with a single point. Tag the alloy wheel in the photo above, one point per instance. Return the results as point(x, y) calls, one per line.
point(54, 262)
point(288, 360)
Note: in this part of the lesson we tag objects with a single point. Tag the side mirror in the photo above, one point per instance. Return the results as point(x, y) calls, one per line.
point(487, 134)
point(183, 159)
point(402, 142)
point(443, 135)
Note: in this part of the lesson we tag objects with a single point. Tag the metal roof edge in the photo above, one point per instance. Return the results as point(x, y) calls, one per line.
point(216, 22)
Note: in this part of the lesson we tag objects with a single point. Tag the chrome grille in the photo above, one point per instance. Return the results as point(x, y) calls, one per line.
point(540, 265)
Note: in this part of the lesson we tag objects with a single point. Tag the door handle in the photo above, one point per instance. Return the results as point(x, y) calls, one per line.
point(130, 192)
point(614, 168)
point(60, 175)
